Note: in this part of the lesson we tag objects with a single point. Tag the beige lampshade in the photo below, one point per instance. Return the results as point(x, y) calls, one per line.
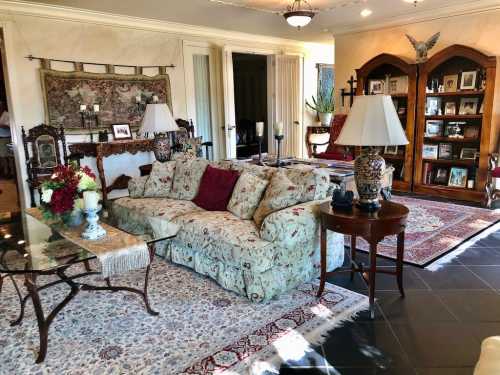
point(157, 119)
point(372, 121)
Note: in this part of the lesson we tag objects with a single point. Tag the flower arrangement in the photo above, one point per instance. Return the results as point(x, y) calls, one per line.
point(61, 194)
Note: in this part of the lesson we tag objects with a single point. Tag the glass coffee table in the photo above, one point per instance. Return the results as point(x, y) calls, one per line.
point(35, 249)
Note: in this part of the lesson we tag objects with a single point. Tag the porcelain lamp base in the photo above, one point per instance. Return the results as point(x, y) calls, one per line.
point(369, 168)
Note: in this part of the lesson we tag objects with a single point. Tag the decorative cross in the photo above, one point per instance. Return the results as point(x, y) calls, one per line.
point(351, 93)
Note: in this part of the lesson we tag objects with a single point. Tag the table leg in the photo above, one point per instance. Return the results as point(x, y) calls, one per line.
point(102, 177)
point(323, 261)
point(399, 262)
point(372, 276)
point(353, 255)
point(43, 328)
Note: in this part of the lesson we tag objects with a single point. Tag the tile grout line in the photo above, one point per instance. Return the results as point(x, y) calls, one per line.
point(480, 278)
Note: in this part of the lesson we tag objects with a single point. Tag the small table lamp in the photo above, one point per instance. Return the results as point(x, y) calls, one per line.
point(158, 121)
point(374, 122)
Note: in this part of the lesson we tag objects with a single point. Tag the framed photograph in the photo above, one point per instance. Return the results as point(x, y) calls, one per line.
point(398, 85)
point(468, 106)
point(430, 151)
point(445, 151)
point(441, 177)
point(433, 128)
point(468, 153)
point(454, 129)
point(391, 150)
point(46, 151)
point(432, 106)
point(376, 86)
point(450, 83)
point(471, 131)
point(450, 108)
point(458, 177)
point(121, 131)
point(468, 81)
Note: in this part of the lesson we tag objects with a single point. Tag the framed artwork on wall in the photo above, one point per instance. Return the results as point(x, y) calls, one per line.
point(326, 79)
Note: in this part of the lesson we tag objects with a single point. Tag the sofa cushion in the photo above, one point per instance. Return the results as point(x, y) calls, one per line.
point(216, 188)
point(280, 193)
point(313, 181)
point(247, 195)
point(187, 178)
point(160, 180)
point(136, 186)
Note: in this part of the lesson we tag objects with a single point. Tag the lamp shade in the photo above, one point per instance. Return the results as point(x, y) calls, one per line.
point(157, 119)
point(372, 121)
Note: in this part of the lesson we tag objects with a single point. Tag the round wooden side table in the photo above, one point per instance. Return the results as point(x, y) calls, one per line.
point(390, 219)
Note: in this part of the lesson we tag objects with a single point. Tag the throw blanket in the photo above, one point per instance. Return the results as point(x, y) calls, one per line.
point(118, 252)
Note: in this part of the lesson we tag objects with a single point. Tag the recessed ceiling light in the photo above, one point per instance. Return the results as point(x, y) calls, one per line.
point(414, 2)
point(366, 12)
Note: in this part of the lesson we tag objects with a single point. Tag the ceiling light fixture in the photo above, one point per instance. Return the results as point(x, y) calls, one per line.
point(298, 15)
point(366, 12)
point(414, 2)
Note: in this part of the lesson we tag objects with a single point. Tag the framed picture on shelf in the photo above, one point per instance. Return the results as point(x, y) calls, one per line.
point(450, 83)
point(433, 128)
point(453, 129)
point(430, 151)
point(468, 106)
point(468, 81)
point(391, 150)
point(376, 86)
point(441, 177)
point(450, 108)
point(398, 85)
point(121, 131)
point(433, 106)
point(458, 177)
point(471, 131)
point(468, 153)
point(445, 151)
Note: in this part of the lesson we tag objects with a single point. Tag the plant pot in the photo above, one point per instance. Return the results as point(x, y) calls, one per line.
point(325, 118)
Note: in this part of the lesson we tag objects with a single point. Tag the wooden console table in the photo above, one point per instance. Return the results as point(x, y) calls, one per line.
point(100, 150)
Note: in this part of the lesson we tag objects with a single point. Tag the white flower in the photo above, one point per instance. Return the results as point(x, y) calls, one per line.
point(47, 195)
point(86, 183)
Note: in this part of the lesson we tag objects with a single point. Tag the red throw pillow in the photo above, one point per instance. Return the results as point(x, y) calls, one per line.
point(216, 188)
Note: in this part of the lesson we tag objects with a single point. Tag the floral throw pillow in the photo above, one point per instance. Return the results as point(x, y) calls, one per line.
point(281, 193)
point(187, 178)
point(160, 180)
point(136, 186)
point(246, 195)
point(314, 182)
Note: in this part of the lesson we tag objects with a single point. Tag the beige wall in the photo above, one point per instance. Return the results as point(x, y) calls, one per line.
point(480, 31)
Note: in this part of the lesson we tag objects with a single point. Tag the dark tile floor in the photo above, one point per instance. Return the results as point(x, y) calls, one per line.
point(436, 330)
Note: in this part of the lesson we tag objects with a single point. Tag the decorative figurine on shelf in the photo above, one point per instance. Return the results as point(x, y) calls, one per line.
point(94, 231)
point(278, 135)
point(342, 199)
point(259, 134)
point(422, 48)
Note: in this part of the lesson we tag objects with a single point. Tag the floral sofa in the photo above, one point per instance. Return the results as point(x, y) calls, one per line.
point(256, 261)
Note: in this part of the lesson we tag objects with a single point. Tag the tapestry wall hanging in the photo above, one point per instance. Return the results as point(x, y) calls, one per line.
point(115, 94)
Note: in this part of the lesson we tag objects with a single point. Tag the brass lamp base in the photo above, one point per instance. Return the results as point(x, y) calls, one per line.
point(369, 168)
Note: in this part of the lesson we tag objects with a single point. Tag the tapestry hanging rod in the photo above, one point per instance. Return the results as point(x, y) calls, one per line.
point(79, 63)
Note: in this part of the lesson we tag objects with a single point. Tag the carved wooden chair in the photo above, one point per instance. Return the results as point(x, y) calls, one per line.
point(42, 148)
point(333, 151)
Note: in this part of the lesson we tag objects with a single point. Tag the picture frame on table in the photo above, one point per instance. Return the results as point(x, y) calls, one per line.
point(468, 106)
point(450, 108)
point(445, 151)
point(391, 150)
point(468, 153)
point(441, 177)
point(376, 86)
point(471, 131)
point(468, 80)
point(450, 83)
point(433, 128)
point(429, 151)
point(458, 177)
point(121, 131)
point(433, 106)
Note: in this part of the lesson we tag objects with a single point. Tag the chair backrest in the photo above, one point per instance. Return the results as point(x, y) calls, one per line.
point(42, 148)
point(188, 125)
point(337, 124)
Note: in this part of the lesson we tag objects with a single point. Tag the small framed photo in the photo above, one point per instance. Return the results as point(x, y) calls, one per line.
point(398, 85)
point(445, 151)
point(441, 177)
point(450, 83)
point(471, 131)
point(433, 128)
point(450, 108)
point(454, 129)
point(468, 106)
point(433, 106)
point(458, 177)
point(430, 151)
point(376, 86)
point(468, 153)
point(391, 150)
point(468, 81)
point(121, 131)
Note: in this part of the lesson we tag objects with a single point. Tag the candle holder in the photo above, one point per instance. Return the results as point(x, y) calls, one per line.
point(89, 116)
point(279, 139)
point(259, 141)
point(94, 231)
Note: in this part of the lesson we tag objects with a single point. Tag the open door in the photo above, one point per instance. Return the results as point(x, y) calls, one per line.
point(229, 108)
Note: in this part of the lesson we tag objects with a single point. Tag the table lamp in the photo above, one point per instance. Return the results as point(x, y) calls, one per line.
point(159, 122)
point(373, 122)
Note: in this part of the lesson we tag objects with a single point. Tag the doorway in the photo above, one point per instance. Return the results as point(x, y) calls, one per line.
point(250, 101)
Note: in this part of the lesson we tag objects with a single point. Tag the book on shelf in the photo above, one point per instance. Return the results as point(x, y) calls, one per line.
point(427, 173)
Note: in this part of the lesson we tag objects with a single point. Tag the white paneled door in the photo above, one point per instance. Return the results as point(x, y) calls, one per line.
point(229, 108)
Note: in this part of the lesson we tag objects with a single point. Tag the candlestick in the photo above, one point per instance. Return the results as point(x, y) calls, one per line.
point(155, 98)
point(259, 129)
point(279, 139)
point(90, 199)
point(83, 107)
point(96, 108)
point(278, 129)
point(138, 99)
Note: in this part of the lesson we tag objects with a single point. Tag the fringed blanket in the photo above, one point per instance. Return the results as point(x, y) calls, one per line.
point(118, 252)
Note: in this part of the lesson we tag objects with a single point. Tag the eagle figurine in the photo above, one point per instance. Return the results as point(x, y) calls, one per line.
point(423, 47)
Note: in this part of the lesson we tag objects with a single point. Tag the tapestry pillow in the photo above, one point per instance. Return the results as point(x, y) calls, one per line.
point(136, 186)
point(216, 187)
point(159, 183)
point(187, 178)
point(281, 193)
point(246, 195)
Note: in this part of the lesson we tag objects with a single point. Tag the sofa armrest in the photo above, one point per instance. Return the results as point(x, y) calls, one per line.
point(293, 225)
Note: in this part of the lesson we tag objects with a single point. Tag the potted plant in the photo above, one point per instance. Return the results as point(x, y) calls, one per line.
point(324, 107)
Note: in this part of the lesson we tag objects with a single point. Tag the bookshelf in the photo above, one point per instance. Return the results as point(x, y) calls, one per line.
point(454, 117)
point(399, 79)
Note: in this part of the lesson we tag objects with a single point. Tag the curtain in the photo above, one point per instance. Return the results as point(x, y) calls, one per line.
point(288, 103)
point(203, 123)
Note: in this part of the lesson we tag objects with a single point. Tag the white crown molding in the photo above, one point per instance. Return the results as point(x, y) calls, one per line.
point(25, 8)
point(479, 6)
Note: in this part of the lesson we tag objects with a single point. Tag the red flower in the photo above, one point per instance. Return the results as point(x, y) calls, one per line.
point(63, 199)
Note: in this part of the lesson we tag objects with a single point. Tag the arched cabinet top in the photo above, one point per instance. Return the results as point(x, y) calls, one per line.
point(386, 59)
point(458, 50)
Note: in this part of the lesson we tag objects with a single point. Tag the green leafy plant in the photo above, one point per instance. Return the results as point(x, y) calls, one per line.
point(323, 104)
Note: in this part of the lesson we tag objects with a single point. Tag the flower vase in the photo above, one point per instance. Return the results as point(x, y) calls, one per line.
point(75, 219)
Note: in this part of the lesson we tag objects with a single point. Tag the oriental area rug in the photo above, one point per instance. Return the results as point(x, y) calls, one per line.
point(434, 229)
point(201, 329)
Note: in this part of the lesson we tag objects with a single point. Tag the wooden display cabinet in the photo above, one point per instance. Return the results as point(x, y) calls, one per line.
point(385, 68)
point(465, 119)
